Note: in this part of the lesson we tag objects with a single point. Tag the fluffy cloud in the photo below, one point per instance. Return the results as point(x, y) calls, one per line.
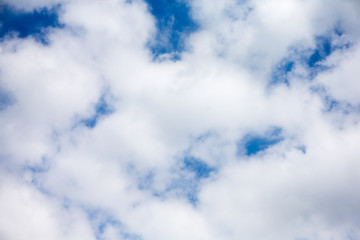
point(341, 81)
point(97, 132)
point(28, 213)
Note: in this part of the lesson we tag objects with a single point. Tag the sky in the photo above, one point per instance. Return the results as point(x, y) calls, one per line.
point(179, 119)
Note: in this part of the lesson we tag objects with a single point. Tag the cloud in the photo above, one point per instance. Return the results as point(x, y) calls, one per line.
point(341, 82)
point(223, 120)
point(29, 214)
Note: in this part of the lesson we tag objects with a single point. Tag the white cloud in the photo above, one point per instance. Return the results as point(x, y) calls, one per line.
point(27, 213)
point(342, 81)
point(301, 188)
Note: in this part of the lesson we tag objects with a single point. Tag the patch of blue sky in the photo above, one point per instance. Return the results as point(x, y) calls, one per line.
point(17, 23)
point(6, 99)
point(184, 187)
point(102, 109)
point(311, 59)
point(281, 73)
point(254, 143)
point(34, 172)
point(323, 49)
point(101, 220)
point(186, 181)
point(146, 181)
point(198, 167)
point(190, 176)
point(174, 24)
point(37, 168)
point(302, 148)
point(340, 34)
point(332, 104)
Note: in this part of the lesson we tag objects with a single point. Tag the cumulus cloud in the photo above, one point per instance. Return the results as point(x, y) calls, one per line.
point(245, 128)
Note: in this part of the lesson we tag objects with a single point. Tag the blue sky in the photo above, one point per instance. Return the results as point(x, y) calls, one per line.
point(18, 23)
point(174, 24)
point(179, 119)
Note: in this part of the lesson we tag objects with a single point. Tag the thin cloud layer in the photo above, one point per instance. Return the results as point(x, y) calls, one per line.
point(212, 120)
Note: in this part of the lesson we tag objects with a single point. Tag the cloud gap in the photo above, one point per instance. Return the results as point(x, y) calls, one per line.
point(100, 220)
point(185, 183)
point(33, 174)
point(146, 181)
point(198, 167)
point(38, 168)
point(332, 104)
point(310, 59)
point(191, 173)
point(174, 24)
point(102, 109)
point(6, 99)
point(254, 143)
point(21, 24)
point(184, 187)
